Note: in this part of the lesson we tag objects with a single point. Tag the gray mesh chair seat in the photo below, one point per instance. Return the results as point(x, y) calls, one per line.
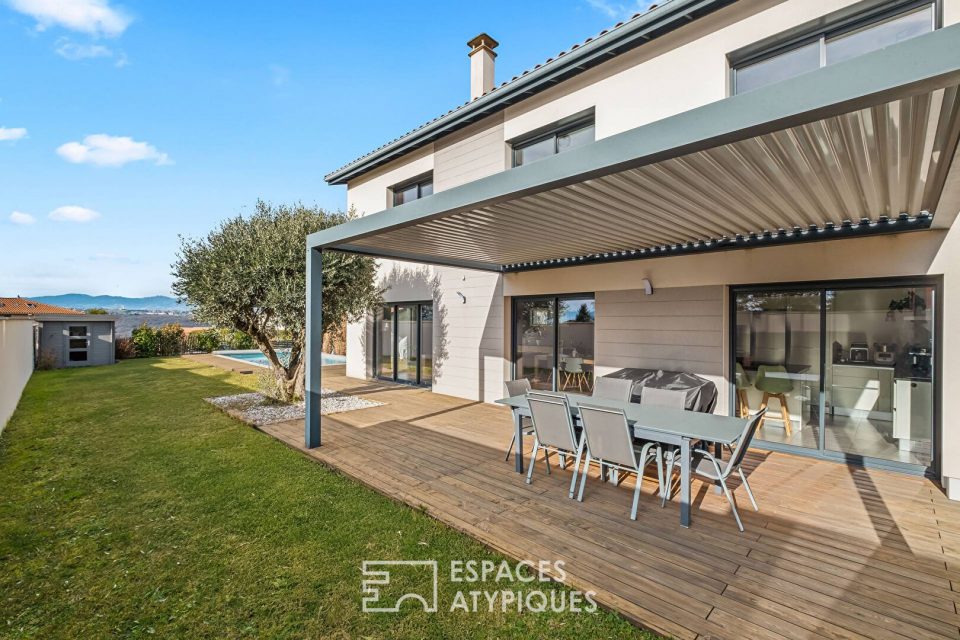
point(553, 431)
point(612, 389)
point(672, 399)
point(518, 387)
point(609, 442)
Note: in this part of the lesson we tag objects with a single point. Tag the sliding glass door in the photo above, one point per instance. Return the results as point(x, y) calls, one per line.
point(778, 363)
point(846, 371)
point(880, 373)
point(535, 338)
point(404, 342)
point(554, 341)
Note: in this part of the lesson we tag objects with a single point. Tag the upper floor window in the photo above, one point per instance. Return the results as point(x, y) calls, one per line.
point(420, 187)
point(556, 140)
point(834, 42)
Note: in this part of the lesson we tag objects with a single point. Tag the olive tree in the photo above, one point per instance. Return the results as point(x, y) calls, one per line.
point(249, 274)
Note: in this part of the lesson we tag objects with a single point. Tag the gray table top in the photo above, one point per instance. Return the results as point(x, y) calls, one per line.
point(686, 424)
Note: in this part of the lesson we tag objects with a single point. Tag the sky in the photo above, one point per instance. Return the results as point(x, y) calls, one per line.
point(126, 125)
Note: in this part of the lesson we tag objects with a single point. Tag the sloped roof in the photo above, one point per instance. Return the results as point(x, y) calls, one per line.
point(23, 307)
point(624, 36)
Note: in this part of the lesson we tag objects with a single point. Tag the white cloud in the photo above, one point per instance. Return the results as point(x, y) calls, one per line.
point(73, 213)
point(73, 51)
point(19, 217)
point(110, 151)
point(94, 17)
point(70, 50)
point(14, 133)
point(620, 11)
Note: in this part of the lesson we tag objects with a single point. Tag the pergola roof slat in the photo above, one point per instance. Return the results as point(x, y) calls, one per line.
point(869, 139)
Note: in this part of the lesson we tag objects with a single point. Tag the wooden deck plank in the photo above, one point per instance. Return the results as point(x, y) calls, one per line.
point(835, 552)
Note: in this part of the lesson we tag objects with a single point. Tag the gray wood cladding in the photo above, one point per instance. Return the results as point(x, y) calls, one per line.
point(678, 329)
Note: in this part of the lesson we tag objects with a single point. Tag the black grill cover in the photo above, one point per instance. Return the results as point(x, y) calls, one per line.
point(701, 393)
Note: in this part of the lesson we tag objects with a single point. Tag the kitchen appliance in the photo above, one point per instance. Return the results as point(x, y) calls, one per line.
point(912, 413)
point(859, 352)
point(920, 360)
point(838, 355)
point(884, 353)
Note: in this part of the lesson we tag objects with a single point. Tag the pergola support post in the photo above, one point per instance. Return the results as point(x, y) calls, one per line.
point(314, 362)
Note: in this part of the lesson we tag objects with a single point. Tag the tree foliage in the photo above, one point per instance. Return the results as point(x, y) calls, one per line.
point(249, 274)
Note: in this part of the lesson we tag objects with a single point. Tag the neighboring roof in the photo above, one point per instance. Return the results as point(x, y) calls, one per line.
point(622, 37)
point(23, 307)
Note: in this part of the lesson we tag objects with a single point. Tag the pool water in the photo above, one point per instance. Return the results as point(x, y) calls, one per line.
point(257, 358)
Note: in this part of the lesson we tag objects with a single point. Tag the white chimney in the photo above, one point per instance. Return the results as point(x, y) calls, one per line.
point(481, 64)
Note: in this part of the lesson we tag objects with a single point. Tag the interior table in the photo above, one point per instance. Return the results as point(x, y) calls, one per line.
point(659, 424)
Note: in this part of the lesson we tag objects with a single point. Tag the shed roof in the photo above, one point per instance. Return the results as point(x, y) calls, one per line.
point(24, 307)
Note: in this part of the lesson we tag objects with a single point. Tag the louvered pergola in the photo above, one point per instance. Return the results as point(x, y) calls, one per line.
point(858, 148)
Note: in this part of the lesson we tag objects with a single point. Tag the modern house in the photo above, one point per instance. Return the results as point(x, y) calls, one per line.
point(65, 337)
point(761, 194)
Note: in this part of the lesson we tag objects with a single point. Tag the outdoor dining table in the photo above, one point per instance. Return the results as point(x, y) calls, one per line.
point(659, 424)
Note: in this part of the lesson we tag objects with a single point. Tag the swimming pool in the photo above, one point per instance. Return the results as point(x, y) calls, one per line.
point(257, 358)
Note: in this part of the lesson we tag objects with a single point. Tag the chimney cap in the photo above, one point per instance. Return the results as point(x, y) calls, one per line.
point(482, 41)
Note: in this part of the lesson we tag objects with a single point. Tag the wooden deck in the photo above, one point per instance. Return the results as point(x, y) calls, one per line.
point(835, 551)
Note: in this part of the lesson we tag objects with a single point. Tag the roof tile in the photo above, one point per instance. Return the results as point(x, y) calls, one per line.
point(24, 307)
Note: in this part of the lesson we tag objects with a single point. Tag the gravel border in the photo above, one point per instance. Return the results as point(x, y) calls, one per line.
point(258, 409)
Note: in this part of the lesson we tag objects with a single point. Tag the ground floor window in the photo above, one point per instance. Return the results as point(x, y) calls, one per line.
point(554, 341)
point(404, 342)
point(845, 370)
point(78, 343)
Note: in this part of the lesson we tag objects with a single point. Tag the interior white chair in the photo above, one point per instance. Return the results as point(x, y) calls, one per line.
point(518, 387)
point(573, 371)
point(610, 443)
point(710, 468)
point(553, 432)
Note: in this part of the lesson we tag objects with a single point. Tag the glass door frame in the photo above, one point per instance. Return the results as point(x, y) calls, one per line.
point(933, 282)
point(377, 319)
point(556, 297)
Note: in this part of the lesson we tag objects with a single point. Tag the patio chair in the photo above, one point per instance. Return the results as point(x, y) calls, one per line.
point(553, 432)
point(518, 387)
point(609, 442)
point(613, 389)
point(707, 466)
point(672, 399)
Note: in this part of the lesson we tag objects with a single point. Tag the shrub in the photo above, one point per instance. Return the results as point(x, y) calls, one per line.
point(203, 341)
point(170, 340)
point(269, 385)
point(96, 311)
point(145, 341)
point(124, 349)
point(46, 360)
point(237, 340)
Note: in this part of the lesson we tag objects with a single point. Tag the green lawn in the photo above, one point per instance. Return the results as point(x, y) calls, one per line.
point(132, 508)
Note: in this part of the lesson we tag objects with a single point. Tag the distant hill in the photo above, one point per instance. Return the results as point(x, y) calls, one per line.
point(84, 301)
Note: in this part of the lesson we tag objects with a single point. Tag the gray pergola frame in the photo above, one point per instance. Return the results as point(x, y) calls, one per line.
point(922, 64)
